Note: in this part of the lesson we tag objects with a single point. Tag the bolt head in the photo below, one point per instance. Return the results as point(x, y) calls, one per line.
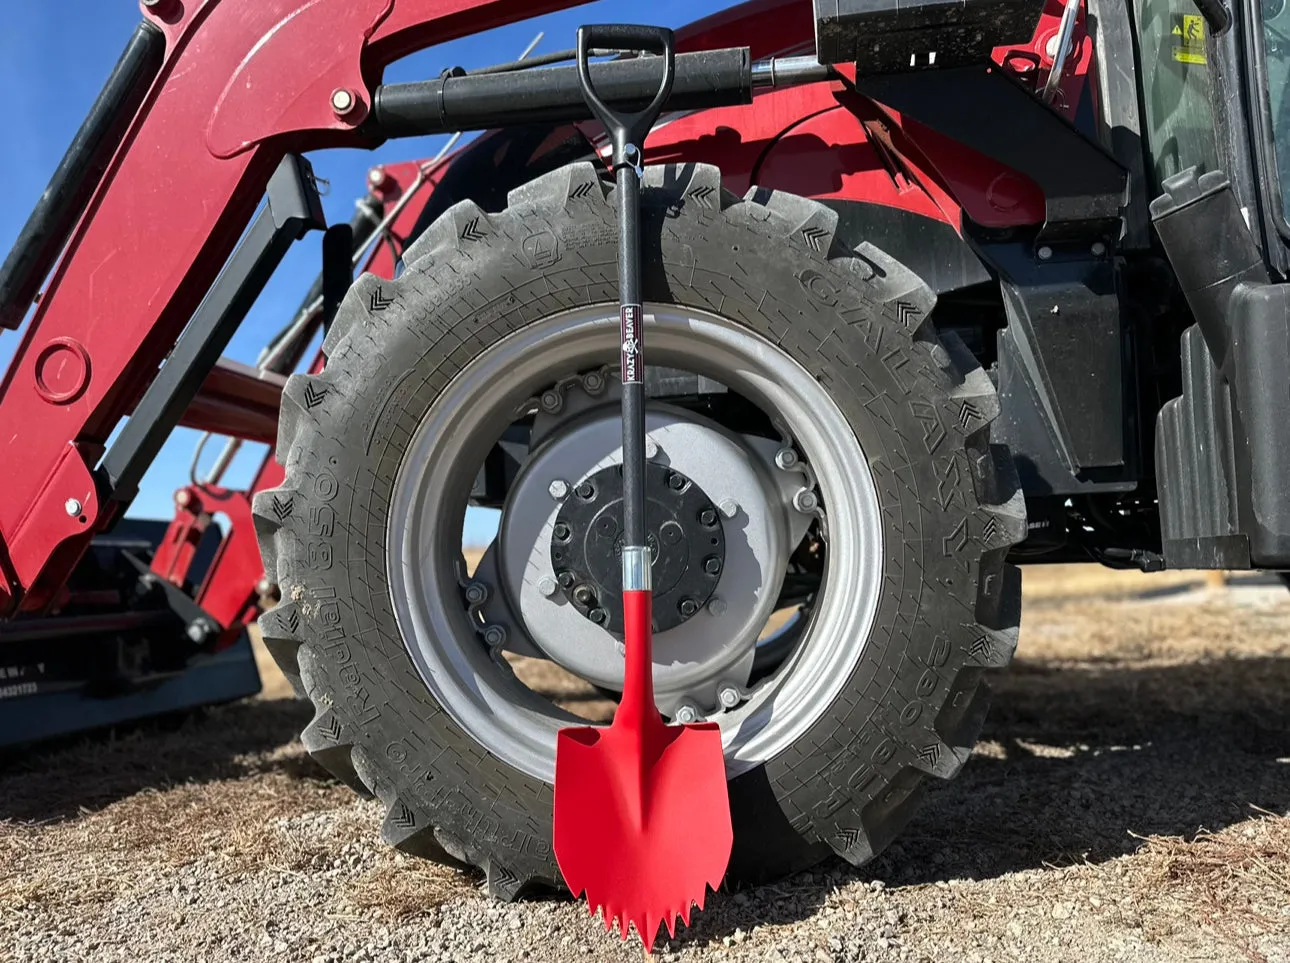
point(546, 586)
point(1045, 253)
point(558, 489)
point(707, 518)
point(651, 448)
point(593, 383)
point(562, 532)
point(688, 607)
point(712, 565)
point(728, 696)
point(564, 579)
point(583, 595)
point(786, 458)
point(675, 482)
point(729, 508)
point(73, 507)
point(343, 101)
point(586, 491)
point(1098, 249)
point(686, 714)
point(494, 635)
point(197, 632)
point(476, 592)
point(599, 616)
point(717, 607)
point(552, 402)
point(376, 177)
point(183, 497)
point(806, 501)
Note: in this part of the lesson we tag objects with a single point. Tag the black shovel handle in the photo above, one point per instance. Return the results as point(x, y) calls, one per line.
point(627, 130)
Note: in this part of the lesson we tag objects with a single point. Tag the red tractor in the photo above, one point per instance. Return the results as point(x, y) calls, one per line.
point(931, 289)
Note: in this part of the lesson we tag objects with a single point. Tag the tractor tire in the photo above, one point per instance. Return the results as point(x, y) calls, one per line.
point(918, 407)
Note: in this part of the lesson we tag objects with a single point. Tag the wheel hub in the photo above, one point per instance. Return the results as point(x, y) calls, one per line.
point(683, 533)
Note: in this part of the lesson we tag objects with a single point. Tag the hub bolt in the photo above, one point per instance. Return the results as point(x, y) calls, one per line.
point(564, 579)
point(786, 458)
point(688, 607)
point(806, 501)
point(729, 508)
point(599, 616)
point(593, 383)
point(583, 595)
point(717, 606)
point(562, 532)
point(675, 482)
point(546, 586)
point(586, 491)
point(552, 402)
point(73, 507)
point(476, 592)
point(707, 518)
point(712, 565)
point(558, 489)
point(494, 635)
point(728, 696)
point(686, 713)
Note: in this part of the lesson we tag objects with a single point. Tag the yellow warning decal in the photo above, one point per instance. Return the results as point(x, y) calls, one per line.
point(1189, 39)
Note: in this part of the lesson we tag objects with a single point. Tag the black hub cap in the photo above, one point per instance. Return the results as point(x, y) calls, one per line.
point(683, 530)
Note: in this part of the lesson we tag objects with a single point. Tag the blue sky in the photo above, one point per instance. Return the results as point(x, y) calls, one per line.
point(54, 58)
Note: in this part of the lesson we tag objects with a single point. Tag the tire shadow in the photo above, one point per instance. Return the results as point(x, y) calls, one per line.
point(1074, 763)
point(61, 779)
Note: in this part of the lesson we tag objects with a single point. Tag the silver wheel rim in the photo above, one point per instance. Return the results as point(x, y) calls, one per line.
point(423, 539)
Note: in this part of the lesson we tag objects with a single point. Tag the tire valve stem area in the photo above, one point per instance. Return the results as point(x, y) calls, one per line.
point(685, 538)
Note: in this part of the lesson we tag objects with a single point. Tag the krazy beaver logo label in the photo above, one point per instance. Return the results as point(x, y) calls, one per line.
point(631, 331)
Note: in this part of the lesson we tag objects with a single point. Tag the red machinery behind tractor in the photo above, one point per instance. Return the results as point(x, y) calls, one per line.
point(931, 289)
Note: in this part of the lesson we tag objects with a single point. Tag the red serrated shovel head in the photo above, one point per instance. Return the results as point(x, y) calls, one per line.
point(642, 820)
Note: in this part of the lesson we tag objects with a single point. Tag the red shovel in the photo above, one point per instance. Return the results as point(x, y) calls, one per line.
point(642, 813)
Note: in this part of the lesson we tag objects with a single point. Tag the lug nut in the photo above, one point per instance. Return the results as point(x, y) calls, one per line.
point(564, 579)
point(806, 501)
point(546, 586)
point(729, 508)
point(688, 607)
point(686, 713)
point(558, 489)
point(675, 482)
point(586, 491)
point(717, 607)
point(552, 402)
point(599, 616)
point(593, 383)
point(494, 635)
point(712, 565)
point(583, 595)
point(729, 697)
point(476, 592)
point(707, 518)
point(561, 532)
point(73, 507)
point(786, 458)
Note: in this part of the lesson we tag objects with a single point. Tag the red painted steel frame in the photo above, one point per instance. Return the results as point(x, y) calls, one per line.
point(244, 82)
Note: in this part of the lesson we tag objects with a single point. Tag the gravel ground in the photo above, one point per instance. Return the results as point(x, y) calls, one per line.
point(1129, 802)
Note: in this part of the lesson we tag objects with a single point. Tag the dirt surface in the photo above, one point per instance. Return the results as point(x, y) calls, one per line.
point(1129, 802)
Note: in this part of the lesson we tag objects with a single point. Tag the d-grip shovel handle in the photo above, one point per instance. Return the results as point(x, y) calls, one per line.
point(627, 130)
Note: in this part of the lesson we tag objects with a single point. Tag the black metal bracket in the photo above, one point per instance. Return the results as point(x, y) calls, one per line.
point(293, 208)
point(79, 172)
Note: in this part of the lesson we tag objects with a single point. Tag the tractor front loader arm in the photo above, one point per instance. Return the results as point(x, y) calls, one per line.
point(241, 85)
